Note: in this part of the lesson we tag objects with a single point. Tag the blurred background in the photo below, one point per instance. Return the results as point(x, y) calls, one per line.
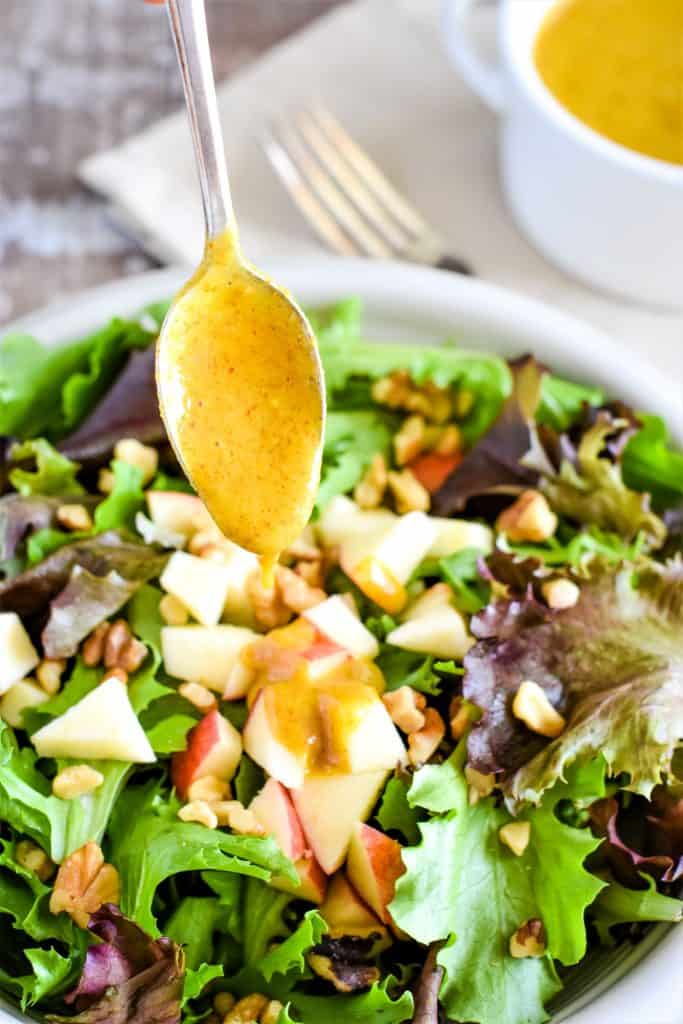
point(78, 76)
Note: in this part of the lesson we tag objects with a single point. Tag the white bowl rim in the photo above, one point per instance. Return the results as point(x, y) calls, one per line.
point(498, 320)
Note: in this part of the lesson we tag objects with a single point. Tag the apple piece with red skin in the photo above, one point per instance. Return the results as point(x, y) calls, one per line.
point(334, 620)
point(329, 808)
point(312, 881)
point(263, 745)
point(373, 865)
point(214, 747)
point(273, 809)
point(345, 913)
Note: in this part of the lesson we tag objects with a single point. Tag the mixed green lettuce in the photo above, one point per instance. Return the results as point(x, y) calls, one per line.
point(601, 805)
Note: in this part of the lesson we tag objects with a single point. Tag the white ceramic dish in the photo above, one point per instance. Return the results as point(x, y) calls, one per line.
point(632, 985)
point(600, 211)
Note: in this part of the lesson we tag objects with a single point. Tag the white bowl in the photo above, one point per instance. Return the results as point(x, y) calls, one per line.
point(603, 213)
point(634, 984)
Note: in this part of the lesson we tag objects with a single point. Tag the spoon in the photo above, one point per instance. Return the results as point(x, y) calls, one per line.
point(238, 373)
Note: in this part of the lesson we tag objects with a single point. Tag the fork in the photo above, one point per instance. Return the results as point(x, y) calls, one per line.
point(345, 196)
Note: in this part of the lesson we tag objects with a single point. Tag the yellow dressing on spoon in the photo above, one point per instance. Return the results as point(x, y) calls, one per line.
point(238, 374)
point(243, 400)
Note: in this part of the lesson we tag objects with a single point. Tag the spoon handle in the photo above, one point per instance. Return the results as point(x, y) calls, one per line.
point(188, 25)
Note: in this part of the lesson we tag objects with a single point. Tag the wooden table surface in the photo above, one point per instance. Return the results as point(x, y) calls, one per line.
point(78, 76)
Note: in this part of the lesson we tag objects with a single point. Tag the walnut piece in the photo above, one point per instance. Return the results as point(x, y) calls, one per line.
point(423, 743)
point(409, 494)
point(369, 490)
point(84, 882)
point(405, 706)
point(529, 940)
point(529, 518)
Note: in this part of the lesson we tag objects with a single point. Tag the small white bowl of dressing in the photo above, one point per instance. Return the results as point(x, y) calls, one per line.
point(590, 99)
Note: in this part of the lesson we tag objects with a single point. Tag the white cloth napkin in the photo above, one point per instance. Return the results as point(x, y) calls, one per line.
point(380, 66)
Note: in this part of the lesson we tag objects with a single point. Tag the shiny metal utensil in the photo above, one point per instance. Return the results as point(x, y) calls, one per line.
point(345, 196)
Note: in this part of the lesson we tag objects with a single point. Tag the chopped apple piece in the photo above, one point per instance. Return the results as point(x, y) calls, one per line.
point(456, 534)
point(335, 620)
point(18, 656)
point(200, 584)
point(381, 564)
point(178, 512)
point(346, 914)
point(312, 881)
point(274, 810)
point(440, 631)
point(330, 807)
point(22, 695)
point(323, 658)
point(204, 654)
point(239, 565)
point(373, 865)
point(437, 597)
point(342, 519)
point(263, 744)
point(214, 747)
point(101, 726)
point(368, 743)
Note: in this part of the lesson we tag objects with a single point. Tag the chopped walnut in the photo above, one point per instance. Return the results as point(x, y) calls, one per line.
point(480, 785)
point(529, 518)
point(234, 815)
point(142, 456)
point(529, 940)
point(118, 635)
point(369, 490)
point(423, 743)
point(93, 646)
point(313, 572)
point(271, 1014)
point(405, 706)
point(295, 591)
point(450, 441)
point(410, 440)
point(459, 716)
point(409, 494)
point(200, 812)
point(247, 1010)
point(75, 781)
point(49, 675)
point(74, 517)
point(84, 882)
point(532, 707)
point(399, 391)
point(209, 788)
point(200, 696)
point(30, 856)
point(270, 611)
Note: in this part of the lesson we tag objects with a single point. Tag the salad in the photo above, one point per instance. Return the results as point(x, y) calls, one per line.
point(422, 775)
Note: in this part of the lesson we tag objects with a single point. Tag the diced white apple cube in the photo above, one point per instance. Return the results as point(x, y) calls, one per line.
point(20, 696)
point(441, 632)
point(437, 597)
point(457, 534)
point(405, 545)
point(329, 808)
point(273, 809)
point(178, 512)
point(321, 666)
point(263, 744)
point(239, 565)
point(375, 742)
point(199, 583)
point(204, 654)
point(342, 518)
point(101, 726)
point(18, 656)
point(335, 620)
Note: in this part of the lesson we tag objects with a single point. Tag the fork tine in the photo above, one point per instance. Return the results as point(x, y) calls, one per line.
point(328, 192)
point(298, 189)
point(351, 182)
point(373, 176)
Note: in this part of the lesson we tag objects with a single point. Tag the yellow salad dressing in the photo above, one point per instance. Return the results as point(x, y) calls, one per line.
point(243, 401)
point(617, 65)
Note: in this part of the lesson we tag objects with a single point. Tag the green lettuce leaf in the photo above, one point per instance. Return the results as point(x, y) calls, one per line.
point(53, 473)
point(650, 463)
point(594, 491)
point(150, 844)
point(31, 382)
point(192, 925)
point(351, 441)
point(395, 813)
point(462, 886)
point(288, 959)
point(376, 1005)
point(118, 510)
point(618, 905)
point(562, 401)
point(613, 664)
